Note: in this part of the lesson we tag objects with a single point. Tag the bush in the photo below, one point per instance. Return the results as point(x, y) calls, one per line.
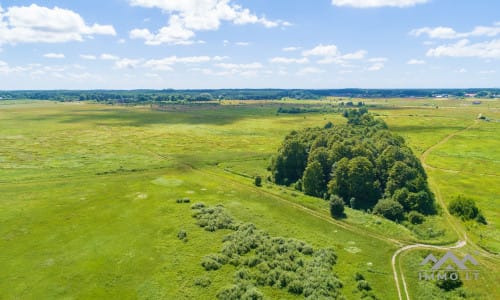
point(336, 207)
point(198, 205)
point(296, 287)
point(415, 217)
point(363, 285)
point(389, 209)
point(358, 276)
point(449, 284)
point(182, 235)
point(186, 200)
point(466, 209)
point(258, 181)
point(202, 281)
point(213, 262)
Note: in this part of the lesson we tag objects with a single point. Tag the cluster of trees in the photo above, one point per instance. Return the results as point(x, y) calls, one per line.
point(466, 209)
point(362, 163)
point(265, 260)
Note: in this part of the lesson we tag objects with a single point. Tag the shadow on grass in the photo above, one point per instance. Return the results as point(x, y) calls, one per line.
point(193, 114)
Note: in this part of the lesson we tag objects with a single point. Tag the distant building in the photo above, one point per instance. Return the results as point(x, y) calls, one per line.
point(476, 102)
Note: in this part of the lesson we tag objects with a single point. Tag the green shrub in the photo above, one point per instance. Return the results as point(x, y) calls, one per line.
point(182, 235)
point(258, 181)
point(363, 285)
point(415, 217)
point(202, 281)
point(389, 209)
point(449, 284)
point(466, 209)
point(198, 205)
point(358, 276)
point(336, 207)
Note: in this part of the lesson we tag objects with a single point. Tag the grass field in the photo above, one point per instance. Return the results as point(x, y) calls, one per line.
point(88, 210)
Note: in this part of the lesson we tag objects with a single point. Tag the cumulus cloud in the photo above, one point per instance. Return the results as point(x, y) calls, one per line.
point(88, 57)
point(376, 66)
point(310, 70)
point(450, 33)
point(106, 56)
point(189, 16)
point(416, 62)
point(377, 3)
point(331, 54)
point(53, 55)
point(165, 64)
point(285, 60)
point(127, 63)
point(290, 49)
point(464, 48)
point(33, 24)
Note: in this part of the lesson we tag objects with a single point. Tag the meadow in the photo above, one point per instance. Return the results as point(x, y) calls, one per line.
point(88, 195)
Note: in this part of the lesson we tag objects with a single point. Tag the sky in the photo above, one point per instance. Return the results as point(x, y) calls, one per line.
point(210, 44)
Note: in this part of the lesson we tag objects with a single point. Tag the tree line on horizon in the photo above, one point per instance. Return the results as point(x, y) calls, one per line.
point(172, 95)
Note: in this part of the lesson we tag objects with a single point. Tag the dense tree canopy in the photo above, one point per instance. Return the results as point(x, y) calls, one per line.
point(362, 162)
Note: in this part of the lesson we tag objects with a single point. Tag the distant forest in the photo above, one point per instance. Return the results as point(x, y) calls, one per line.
point(170, 95)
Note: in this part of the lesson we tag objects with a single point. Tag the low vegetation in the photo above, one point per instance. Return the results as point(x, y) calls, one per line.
point(265, 260)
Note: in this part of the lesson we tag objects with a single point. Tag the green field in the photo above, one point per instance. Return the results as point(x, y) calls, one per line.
point(88, 196)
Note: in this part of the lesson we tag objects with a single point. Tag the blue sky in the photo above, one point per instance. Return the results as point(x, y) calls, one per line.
point(129, 44)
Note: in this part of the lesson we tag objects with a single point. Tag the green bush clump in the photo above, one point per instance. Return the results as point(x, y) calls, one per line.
point(277, 262)
point(415, 217)
point(198, 205)
point(182, 235)
point(213, 218)
point(466, 209)
point(202, 281)
point(213, 261)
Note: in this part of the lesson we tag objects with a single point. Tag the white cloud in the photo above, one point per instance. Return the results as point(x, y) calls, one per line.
point(106, 56)
point(88, 57)
point(378, 59)
point(355, 55)
point(416, 62)
point(331, 54)
point(462, 70)
point(285, 60)
point(174, 33)
point(220, 58)
point(377, 3)
point(435, 33)
point(127, 63)
point(463, 48)
point(310, 70)
point(250, 66)
point(322, 50)
point(33, 24)
point(189, 16)
point(290, 49)
point(376, 66)
point(243, 44)
point(165, 64)
point(54, 55)
point(450, 33)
